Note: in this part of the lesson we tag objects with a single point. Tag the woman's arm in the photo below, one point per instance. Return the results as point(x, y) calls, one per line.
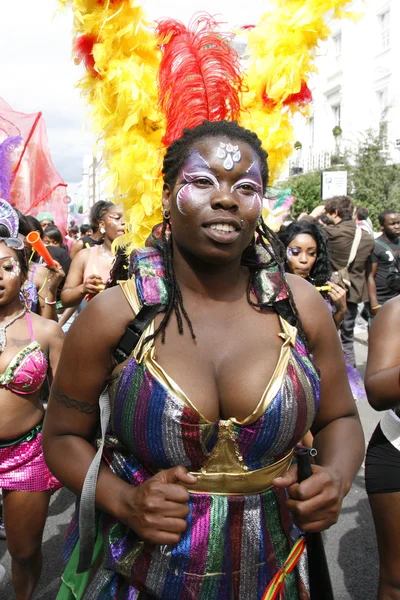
point(156, 510)
point(75, 287)
point(382, 375)
point(48, 291)
point(76, 247)
point(56, 339)
point(338, 436)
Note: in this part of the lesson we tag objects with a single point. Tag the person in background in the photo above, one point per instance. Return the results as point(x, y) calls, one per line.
point(85, 229)
point(45, 219)
point(382, 462)
point(90, 268)
point(96, 237)
point(362, 220)
point(340, 233)
point(40, 288)
point(52, 236)
point(72, 236)
point(385, 262)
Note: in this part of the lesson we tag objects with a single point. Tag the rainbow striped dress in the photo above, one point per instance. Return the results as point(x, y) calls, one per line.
point(239, 531)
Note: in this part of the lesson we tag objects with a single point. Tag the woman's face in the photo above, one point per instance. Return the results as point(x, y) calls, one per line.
point(49, 242)
point(217, 200)
point(301, 254)
point(113, 222)
point(10, 275)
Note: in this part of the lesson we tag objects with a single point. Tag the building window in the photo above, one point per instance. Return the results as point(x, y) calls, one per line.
point(311, 130)
point(382, 97)
point(336, 114)
point(384, 26)
point(337, 48)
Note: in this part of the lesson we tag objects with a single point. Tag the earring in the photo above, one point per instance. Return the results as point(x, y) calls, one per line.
point(166, 214)
point(102, 230)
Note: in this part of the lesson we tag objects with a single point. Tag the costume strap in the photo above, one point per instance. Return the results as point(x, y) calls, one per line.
point(277, 584)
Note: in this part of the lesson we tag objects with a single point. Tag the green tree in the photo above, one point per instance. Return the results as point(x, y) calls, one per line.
point(307, 192)
point(374, 183)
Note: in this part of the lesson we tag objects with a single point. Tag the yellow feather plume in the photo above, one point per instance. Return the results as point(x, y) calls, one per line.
point(121, 90)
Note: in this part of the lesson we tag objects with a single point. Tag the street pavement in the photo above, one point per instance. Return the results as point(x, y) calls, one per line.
point(350, 545)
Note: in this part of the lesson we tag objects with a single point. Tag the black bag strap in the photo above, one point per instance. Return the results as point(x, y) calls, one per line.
point(87, 507)
point(134, 331)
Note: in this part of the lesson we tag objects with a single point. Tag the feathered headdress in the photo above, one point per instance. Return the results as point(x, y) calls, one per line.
point(199, 78)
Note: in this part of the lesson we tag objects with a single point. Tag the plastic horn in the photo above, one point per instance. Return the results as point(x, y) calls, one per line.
point(37, 244)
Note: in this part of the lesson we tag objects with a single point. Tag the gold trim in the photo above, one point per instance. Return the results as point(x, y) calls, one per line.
point(237, 484)
point(148, 354)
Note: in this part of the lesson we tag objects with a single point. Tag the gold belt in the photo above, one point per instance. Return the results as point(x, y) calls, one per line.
point(244, 483)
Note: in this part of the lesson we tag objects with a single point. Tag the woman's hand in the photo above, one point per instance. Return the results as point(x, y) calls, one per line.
point(338, 296)
point(156, 510)
point(93, 285)
point(316, 502)
point(55, 276)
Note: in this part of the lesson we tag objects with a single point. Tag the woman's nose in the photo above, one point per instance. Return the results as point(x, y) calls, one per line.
point(224, 199)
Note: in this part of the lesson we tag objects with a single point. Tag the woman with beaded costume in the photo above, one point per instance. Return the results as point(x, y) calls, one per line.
point(30, 346)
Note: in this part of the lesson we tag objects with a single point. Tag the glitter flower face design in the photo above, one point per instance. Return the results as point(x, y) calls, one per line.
point(231, 155)
point(200, 184)
point(10, 266)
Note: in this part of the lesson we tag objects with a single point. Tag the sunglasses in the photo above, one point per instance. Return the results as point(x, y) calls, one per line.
point(14, 243)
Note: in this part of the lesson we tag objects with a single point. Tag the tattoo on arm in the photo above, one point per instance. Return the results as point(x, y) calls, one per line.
point(82, 407)
point(60, 336)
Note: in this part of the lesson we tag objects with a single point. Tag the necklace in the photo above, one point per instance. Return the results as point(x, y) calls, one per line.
point(107, 254)
point(3, 335)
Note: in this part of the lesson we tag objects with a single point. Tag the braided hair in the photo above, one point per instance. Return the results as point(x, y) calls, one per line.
point(321, 271)
point(175, 158)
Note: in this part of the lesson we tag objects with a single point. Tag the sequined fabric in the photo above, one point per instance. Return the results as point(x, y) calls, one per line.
point(23, 468)
point(233, 544)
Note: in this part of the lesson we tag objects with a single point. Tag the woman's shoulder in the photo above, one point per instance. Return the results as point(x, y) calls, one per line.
point(112, 310)
point(45, 327)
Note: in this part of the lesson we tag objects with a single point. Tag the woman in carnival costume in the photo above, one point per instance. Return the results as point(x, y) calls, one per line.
point(307, 256)
point(29, 351)
point(196, 493)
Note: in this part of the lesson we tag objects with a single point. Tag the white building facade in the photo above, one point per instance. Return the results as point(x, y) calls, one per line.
point(357, 86)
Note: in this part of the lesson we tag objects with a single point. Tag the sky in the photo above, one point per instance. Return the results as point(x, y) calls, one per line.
point(38, 74)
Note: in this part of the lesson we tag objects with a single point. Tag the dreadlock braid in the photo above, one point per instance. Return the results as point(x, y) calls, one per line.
point(175, 300)
point(119, 270)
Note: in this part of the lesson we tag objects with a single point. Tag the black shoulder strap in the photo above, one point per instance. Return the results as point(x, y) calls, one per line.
point(134, 331)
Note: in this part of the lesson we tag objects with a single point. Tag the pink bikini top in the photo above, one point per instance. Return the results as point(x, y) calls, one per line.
point(27, 371)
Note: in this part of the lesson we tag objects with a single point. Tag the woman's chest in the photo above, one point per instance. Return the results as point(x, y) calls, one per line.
point(226, 369)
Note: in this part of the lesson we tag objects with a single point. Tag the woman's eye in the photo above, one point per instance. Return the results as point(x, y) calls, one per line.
point(8, 267)
point(294, 252)
point(202, 181)
point(247, 187)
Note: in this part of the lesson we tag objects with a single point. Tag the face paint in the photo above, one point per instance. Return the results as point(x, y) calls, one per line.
point(231, 155)
point(11, 267)
point(190, 195)
point(250, 191)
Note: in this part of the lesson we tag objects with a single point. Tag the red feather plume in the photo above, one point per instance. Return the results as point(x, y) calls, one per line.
point(83, 50)
point(303, 97)
point(199, 76)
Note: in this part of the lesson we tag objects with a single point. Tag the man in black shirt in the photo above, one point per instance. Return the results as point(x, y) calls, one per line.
point(385, 259)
